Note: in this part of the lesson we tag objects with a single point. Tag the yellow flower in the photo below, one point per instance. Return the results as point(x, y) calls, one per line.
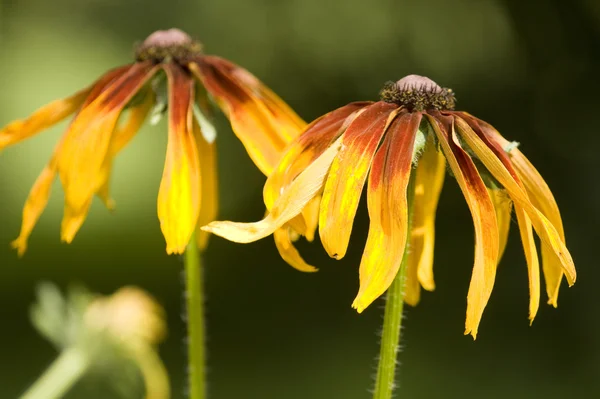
point(110, 112)
point(413, 124)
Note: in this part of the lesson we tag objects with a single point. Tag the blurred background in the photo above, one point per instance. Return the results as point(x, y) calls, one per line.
point(529, 68)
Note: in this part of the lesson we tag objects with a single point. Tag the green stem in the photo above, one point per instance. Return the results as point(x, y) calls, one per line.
point(60, 376)
point(195, 320)
point(392, 319)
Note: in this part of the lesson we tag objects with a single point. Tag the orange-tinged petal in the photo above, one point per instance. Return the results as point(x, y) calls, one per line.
point(288, 123)
point(52, 113)
point(317, 137)
point(291, 202)
point(503, 207)
point(288, 252)
point(34, 206)
point(484, 220)
point(179, 192)
point(209, 194)
point(544, 201)
point(388, 212)
point(73, 218)
point(429, 180)
point(86, 143)
point(347, 176)
point(544, 227)
point(121, 136)
point(250, 119)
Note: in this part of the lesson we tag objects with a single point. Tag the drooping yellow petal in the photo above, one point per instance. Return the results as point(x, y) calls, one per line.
point(533, 263)
point(86, 143)
point(429, 179)
point(319, 136)
point(387, 205)
point(503, 207)
point(121, 136)
point(73, 218)
point(34, 206)
point(544, 227)
point(179, 192)
point(484, 220)
point(288, 252)
point(209, 195)
point(348, 174)
point(538, 192)
point(251, 120)
point(52, 113)
point(291, 202)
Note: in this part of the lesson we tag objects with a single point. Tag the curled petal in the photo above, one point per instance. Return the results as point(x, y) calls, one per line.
point(484, 220)
point(52, 113)
point(544, 227)
point(86, 143)
point(288, 252)
point(533, 264)
point(387, 205)
point(209, 191)
point(429, 179)
point(348, 174)
point(179, 192)
point(291, 202)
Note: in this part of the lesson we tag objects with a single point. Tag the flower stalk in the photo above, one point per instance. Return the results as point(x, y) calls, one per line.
point(195, 321)
point(392, 319)
point(60, 376)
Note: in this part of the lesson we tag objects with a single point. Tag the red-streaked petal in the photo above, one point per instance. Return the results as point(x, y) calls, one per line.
point(87, 141)
point(544, 227)
point(53, 113)
point(541, 197)
point(209, 195)
point(387, 204)
point(303, 151)
point(288, 252)
point(347, 176)
point(429, 179)
point(484, 220)
point(291, 202)
point(251, 120)
point(288, 123)
point(179, 192)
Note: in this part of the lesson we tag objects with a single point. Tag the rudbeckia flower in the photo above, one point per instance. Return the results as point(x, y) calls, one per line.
point(413, 132)
point(171, 71)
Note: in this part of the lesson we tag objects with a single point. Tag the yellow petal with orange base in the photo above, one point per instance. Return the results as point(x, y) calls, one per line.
point(52, 113)
point(484, 221)
point(122, 135)
point(543, 226)
point(348, 174)
point(542, 198)
point(388, 210)
point(290, 204)
point(429, 180)
point(87, 141)
point(179, 192)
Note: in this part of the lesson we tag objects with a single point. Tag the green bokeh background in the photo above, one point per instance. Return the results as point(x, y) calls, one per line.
point(529, 68)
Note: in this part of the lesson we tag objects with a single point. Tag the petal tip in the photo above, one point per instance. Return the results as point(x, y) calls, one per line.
point(20, 245)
